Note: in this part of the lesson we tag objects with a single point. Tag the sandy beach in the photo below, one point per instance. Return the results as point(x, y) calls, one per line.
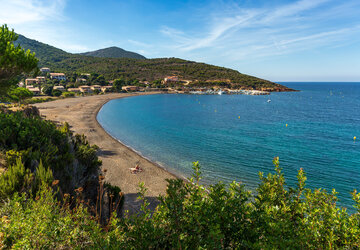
point(116, 158)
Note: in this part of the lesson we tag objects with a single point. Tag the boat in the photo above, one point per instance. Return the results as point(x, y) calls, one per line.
point(269, 100)
point(220, 92)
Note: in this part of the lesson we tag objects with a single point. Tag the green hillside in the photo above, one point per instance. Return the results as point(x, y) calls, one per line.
point(46, 54)
point(113, 52)
point(144, 69)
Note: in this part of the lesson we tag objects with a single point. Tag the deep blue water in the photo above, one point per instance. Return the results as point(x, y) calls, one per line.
point(175, 130)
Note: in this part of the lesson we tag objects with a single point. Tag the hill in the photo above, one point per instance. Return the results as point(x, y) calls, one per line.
point(200, 74)
point(113, 52)
point(46, 54)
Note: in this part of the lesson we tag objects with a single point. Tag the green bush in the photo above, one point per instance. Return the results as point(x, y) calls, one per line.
point(14, 179)
point(68, 94)
point(44, 147)
point(191, 216)
point(56, 92)
point(43, 224)
point(36, 139)
point(38, 100)
point(86, 153)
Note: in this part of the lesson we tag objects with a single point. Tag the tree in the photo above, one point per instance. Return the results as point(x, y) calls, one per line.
point(100, 80)
point(13, 59)
point(56, 92)
point(47, 89)
point(118, 84)
point(20, 94)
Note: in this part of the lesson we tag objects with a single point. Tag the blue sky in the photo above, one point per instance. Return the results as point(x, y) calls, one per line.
point(305, 40)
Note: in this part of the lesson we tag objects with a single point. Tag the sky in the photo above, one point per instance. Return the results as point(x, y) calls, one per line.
point(278, 40)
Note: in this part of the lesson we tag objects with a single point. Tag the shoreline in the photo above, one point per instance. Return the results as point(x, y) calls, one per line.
point(116, 157)
point(132, 149)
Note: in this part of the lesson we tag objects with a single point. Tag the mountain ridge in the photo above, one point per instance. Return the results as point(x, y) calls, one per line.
point(113, 52)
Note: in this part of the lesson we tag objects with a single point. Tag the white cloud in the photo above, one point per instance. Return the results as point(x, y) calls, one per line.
point(262, 32)
point(16, 12)
point(42, 20)
point(139, 44)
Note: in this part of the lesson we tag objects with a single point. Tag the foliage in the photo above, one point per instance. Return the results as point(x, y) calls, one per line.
point(113, 52)
point(219, 217)
point(38, 100)
point(191, 216)
point(15, 179)
point(47, 89)
point(13, 59)
point(43, 147)
point(86, 153)
point(42, 223)
point(43, 175)
point(56, 92)
point(68, 94)
point(20, 94)
point(118, 84)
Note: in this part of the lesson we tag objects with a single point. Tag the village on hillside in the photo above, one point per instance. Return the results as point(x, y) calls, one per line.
point(56, 84)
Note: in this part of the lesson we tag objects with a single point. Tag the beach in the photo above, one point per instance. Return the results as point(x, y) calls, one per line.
point(117, 158)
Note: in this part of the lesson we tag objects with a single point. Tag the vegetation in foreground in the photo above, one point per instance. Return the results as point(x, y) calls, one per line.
point(189, 216)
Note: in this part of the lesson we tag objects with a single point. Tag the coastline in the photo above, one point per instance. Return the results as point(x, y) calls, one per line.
point(116, 157)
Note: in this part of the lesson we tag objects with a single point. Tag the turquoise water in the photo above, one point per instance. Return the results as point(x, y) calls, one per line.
point(175, 130)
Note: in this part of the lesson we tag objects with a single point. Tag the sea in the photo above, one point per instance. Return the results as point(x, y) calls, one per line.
point(234, 137)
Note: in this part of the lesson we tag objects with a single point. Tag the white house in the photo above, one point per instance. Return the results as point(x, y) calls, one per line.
point(45, 70)
point(61, 88)
point(58, 76)
point(35, 91)
point(75, 90)
point(85, 89)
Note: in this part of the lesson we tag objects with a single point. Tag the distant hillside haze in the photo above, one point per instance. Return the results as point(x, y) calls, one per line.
point(113, 52)
point(115, 63)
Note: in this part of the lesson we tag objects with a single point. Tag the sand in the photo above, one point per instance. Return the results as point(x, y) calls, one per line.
point(116, 158)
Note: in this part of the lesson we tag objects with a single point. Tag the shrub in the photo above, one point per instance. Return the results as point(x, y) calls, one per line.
point(56, 92)
point(190, 216)
point(86, 153)
point(42, 223)
point(44, 147)
point(218, 217)
point(68, 94)
point(14, 179)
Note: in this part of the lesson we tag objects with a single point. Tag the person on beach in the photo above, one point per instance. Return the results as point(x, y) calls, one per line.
point(136, 169)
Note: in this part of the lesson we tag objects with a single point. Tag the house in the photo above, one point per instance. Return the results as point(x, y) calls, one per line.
point(41, 79)
point(45, 70)
point(30, 81)
point(58, 76)
point(85, 89)
point(171, 79)
point(106, 88)
point(61, 88)
point(75, 90)
point(130, 88)
point(35, 91)
point(96, 87)
point(81, 80)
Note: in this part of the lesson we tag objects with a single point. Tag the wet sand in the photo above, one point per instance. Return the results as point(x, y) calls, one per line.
point(116, 158)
